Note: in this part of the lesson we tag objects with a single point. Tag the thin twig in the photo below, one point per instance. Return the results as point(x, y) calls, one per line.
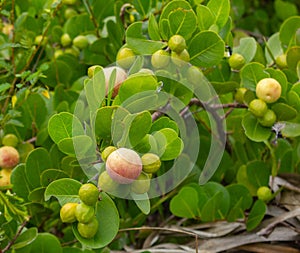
point(8, 246)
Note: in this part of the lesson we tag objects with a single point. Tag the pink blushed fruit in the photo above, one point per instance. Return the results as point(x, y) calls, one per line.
point(9, 157)
point(124, 165)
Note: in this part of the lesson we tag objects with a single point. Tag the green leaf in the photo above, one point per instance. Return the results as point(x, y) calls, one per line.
point(164, 122)
point(164, 24)
point(108, 219)
point(256, 215)
point(37, 195)
point(142, 201)
point(65, 190)
point(218, 202)
point(247, 48)
point(253, 175)
point(251, 73)
point(237, 192)
point(220, 9)
point(135, 84)
point(64, 125)
point(20, 182)
point(139, 43)
point(104, 117)
point(273, 48)
point(136, 126)
point(38, 160)
point(153, 28)
point(46, 243)
point(253, 129)
point(205, 17)
point(169, 144)
point(95, 89)
point(76, 146)
point(284, 111)
point(50, 175)
point(142, 7)
point(285, 10)
point(206, 49)
point(25, 238)
point(293, 57)
point(185, 203)
point(225, 87)
point(182, 22)
point(291, 130)
point(288, 29)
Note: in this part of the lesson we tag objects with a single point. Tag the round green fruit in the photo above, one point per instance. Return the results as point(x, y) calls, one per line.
point(80, 42)
point(67, 212)
point(141, 185)
point(10, 140)
point(240, 94)
point(160, 59)
point(9, 157)
point(88, 230)
point(65, 40)
point(106, 184)
point(70, 12)
point(258, 107)
point(107, 151)
point(236, 61)
point(5, 177)
point(151, 162)
point(124, 165)
point(84, 213)
point(281, 61)
point(177, 43)
point(125, 58)
point(180, 59)
point(57, 53)
point(264, 193)
point(194, 75)
point(69, 2)
point(40, 40)
point(268, 119)
point(88, 194)
point(73, 51)
point(268, 89)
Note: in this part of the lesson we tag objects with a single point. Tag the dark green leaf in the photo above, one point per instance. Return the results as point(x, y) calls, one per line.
point(256, 215)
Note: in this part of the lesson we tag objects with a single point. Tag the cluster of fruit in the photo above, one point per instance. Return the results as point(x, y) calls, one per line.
point(268, 90)
point(9, 157)
point(126, 171)
point(84, 213)
point(175, 52)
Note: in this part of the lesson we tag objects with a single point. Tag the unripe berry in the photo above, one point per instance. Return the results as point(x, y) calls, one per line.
point(88, 194)
point(141, 184)
point(151, 163)
point(177, 43)
point(106, 184)
point(124, 165)
point(281, 61)
point(268, 89)
point(268, 119)
point(10, 140)
point(84, 213)
point(239, 95)
point(125, 58)
point(80, 41)
point(236, 61)
point(160, 59)
point(264, 193)
point(88, 230)
point(258, 107)
point(65, 40)
point(107, 151)
point(67, 212)
point(5, 177)
point(180, 59)
point(9, 157)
